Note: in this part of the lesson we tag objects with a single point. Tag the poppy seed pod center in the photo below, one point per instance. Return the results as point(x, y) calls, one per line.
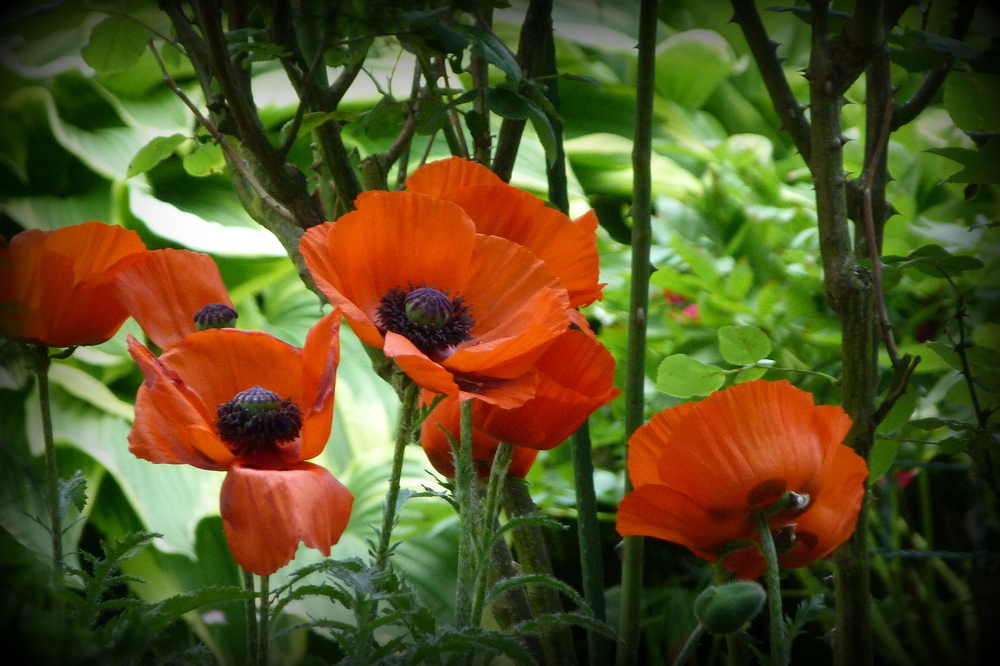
point(428, 317)
point(257, 420)
point(215, 315)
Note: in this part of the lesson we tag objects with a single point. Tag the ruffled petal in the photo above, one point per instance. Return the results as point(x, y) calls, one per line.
point(164, 289)
point(662, 512)
point(651, 442)
point(172, 423)
point(320, 359)
point(266, 513)
point(393, 240)
point(439, 178)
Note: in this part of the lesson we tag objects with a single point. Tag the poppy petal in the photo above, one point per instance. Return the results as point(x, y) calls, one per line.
point(164, 289)
point(172, 423)
point(266, 513)
point(392, 240)
point(440, 177)
point(320, 359)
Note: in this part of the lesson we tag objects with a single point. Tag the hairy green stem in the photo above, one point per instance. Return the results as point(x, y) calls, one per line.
point(498, 476)
point(533, 554)
point(250, 608)
point(264, 626)
point(780, 652)
point(410, 394)
point(468, 515)
point(41, 368)
point(635, 360)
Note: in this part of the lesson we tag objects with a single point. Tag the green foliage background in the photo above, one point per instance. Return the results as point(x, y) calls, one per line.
point(89, 131)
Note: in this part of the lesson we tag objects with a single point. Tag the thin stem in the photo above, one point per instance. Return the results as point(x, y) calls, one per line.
point(41, 367)
point(264, 626)
point(251, 618)
point(404, 430)
point(689, 644)
point(635, 369)
point(772, 580)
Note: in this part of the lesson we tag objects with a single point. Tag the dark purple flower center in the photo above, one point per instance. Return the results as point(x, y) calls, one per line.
point(426, 316)
point(256, 421)
point(215, 315)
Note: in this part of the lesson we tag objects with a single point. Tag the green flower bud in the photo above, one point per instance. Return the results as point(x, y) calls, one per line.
point(725, 609)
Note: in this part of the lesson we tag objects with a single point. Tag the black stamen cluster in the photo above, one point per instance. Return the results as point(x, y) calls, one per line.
point(392, 315)
point(257, 419)
point(215, 315)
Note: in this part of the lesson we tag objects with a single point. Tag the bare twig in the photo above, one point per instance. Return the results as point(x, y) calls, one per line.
point(235, 159)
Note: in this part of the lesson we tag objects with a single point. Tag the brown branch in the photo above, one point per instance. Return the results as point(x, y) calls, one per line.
point(764, 51)
point(907, 111)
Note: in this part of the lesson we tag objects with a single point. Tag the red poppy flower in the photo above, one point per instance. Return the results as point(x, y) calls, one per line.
point(701, 469)
point(444, 421)
point(576, 375)
point(461, 313)
point(569, 247)
point(166, 290)
point(249, 404)
point(58, 286)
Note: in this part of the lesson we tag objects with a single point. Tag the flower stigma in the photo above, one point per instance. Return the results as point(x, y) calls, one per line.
point(215, 315)
point(428, 317)
point(257, 421)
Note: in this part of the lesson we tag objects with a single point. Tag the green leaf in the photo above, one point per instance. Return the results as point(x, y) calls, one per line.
point(749, 374)
point(153, 153)
point(507, 104)
point(491, 49)
point(115, 44)
point(973, 100)
point(882, 456)
point(742, 345)
point(205, 160)
point(690, 66)
point(175, 607)
point(981, 165)
point(682, 376)
point(89, 389)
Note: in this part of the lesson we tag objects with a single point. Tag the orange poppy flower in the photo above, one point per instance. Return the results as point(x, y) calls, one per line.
point(576, 374)
point(461, 313)
point(167, 290)
point(246, 403)
point(58, 286)
point(701, 469)
point(569, 247)
point(444, 421)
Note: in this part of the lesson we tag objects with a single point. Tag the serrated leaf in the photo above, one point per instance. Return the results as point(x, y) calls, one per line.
point(505, 584)
point(73, 491)
point(153, 153)
point(115, 44)
point(173, 608)
point(742, 345)
point(684, 377)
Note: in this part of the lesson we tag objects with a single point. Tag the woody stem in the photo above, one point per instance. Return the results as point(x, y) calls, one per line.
point(779, 640)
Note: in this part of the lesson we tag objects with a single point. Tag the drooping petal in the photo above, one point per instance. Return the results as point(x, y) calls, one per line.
point(662, 512)
point(60, 287)
point(441, 177)
point(172, 422)
point(320, 359)
point(576, 375)
point(164, 289)
point(266, 513)
point(444, 421)
point(393, 240)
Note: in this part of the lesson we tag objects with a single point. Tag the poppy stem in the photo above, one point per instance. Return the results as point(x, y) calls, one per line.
point(404, 430)
point(469, 513)
point(498, 476)
point(250, 608)
point(772, 579)
point(689, 644)
point(41, 368)
point(264, 626)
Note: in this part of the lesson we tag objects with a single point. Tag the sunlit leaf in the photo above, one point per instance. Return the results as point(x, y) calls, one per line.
point(684, 377)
